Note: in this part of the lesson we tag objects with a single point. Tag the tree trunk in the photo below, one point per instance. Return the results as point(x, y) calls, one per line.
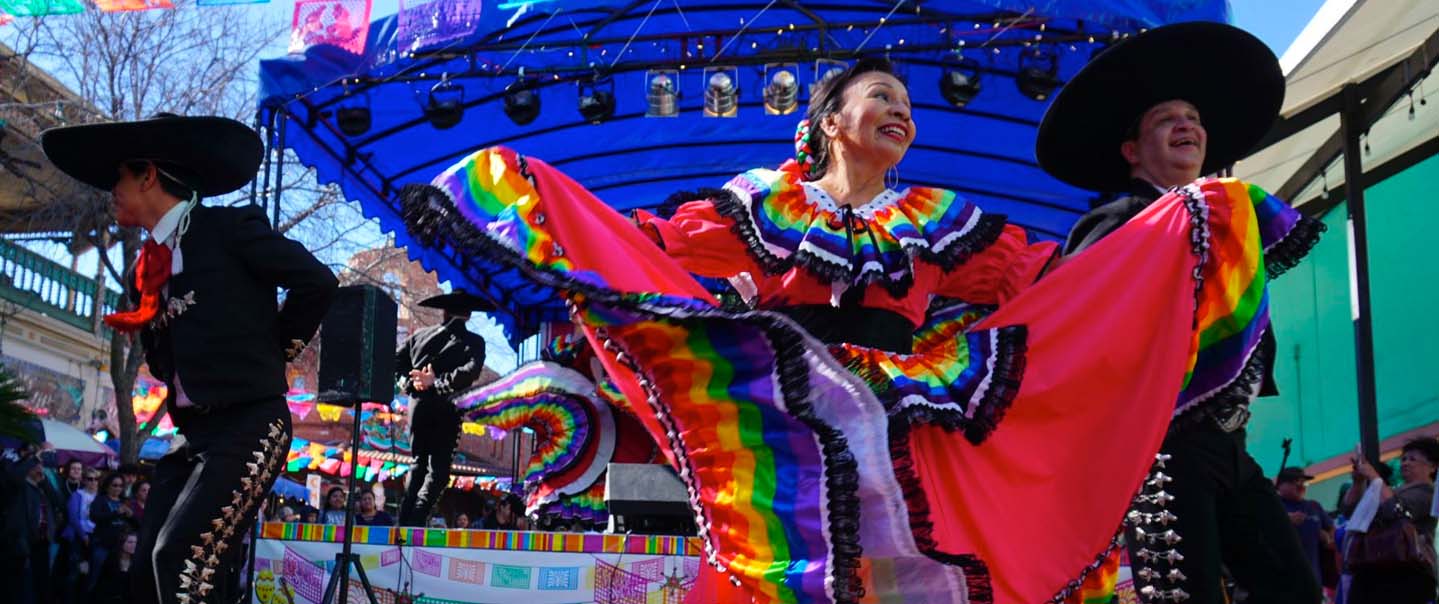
point(97, 306)
point(125, 359)
point(124, 381)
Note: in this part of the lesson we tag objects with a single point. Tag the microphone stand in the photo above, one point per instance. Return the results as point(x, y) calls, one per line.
point(1285, 459)
point(343, 560)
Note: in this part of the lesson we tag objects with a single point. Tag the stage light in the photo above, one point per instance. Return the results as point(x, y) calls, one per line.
point(959, 82)
point(824, 69)
point(721, 93)
point(781, 94)
point(661, 96)
point(1038, 72)
point(353, 114)
point(597, 99)
point(522, 101)
point(446, 105)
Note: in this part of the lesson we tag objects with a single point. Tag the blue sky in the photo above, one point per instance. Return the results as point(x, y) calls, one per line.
point(1276, 22)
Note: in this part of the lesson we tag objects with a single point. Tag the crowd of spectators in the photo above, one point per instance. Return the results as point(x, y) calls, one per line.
point(1377, 546)
point(67, 531)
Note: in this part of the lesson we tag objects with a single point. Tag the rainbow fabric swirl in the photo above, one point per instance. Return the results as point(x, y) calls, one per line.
point(574, 432)
point(957, 376)
point(1233, 314)
point(787, 455)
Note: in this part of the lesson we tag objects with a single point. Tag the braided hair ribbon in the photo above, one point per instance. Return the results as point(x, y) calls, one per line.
point(803, 154)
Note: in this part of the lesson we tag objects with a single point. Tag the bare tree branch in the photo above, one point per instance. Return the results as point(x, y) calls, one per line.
point(129, 66)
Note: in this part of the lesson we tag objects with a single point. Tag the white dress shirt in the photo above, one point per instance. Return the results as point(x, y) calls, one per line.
point(168, 231)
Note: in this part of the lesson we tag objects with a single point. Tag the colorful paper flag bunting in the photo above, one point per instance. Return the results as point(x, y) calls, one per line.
point(37, 8)
point(299, 409)
point(341, 23)
point(123, 6)
point(329, 413)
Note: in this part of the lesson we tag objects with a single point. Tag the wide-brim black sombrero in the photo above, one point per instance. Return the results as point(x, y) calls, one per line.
point(458, 302)
point(1230, 76)
point(218, 155)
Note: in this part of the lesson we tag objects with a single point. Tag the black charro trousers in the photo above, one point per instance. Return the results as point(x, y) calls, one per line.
point(434, 435)
point(1228, 516)
point(205, 497)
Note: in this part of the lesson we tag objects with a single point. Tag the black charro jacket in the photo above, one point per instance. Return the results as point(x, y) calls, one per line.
point(221, 325)
point(456, 354)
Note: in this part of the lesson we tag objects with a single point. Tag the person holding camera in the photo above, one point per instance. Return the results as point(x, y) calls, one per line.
point(1393, 561)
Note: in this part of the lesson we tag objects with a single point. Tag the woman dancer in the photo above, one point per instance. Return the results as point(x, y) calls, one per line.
point(840, 443)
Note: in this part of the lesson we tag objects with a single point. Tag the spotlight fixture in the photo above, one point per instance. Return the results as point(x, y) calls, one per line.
point(781, 94)
point(721, 92)
point(661, 93)
point(352, 113)
point(446, 104)
point(1038, 72)
point(353, 120)
point(959, 81)
point(597, 98)
point(522, 101)
point(825, 69)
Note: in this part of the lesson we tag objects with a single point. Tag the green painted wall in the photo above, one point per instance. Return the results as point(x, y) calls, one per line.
point(1315, 369)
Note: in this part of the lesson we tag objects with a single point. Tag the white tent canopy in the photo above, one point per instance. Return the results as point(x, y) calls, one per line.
point(1347, 42)
point(69, 438)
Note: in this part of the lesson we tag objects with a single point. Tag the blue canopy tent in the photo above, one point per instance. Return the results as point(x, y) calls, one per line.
point(285, 487)
point(376, 122)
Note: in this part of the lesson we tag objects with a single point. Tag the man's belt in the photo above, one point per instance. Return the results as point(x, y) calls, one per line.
point(1229, 416)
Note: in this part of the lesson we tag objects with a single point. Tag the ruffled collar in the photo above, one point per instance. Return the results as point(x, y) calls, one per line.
point(786, 222)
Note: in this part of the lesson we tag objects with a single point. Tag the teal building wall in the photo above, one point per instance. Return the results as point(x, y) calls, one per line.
point(1312, 320)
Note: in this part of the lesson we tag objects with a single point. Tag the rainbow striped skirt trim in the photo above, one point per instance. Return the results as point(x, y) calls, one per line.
point(962, 473)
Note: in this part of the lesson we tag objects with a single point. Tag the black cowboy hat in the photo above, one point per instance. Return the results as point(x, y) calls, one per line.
point(1228, 74)
point(458, 302)
point(216, 155)
point(1293, 474)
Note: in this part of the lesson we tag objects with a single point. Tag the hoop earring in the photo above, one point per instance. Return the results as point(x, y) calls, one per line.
point(891, 178)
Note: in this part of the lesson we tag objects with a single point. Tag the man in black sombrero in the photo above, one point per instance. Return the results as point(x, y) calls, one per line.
point(1153, 112)
point(205, 308)
point(433, 365)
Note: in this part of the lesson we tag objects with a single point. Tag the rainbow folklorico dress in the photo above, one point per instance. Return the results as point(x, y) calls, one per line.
point(992, 461)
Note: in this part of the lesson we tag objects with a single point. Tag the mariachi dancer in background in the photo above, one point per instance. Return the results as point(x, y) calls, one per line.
point(432, 365)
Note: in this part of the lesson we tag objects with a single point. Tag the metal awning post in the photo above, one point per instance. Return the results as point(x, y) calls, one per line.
point(279, 169)
point(269, 126)
point(1352, 125)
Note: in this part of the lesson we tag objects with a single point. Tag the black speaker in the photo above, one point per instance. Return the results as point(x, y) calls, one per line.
point(645, 489)
point(647, 499)
point(357, 347)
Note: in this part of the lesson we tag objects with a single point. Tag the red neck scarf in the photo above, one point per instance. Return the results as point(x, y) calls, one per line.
point(151, 273)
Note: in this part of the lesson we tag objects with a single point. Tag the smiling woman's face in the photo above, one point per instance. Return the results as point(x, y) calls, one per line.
point(873, 122)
